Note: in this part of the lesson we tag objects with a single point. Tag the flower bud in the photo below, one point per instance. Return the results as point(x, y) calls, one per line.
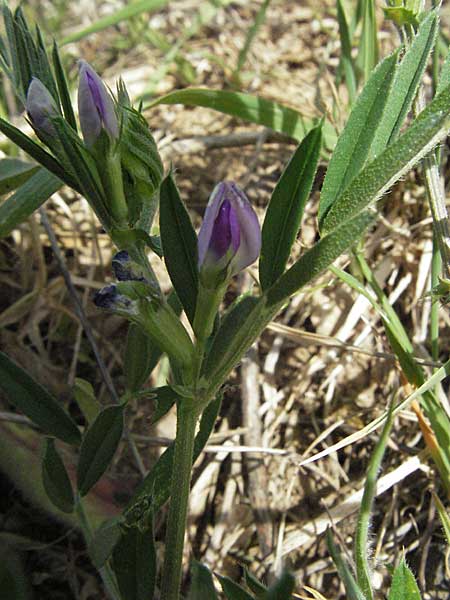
point(95, 106)
point(125, 269)
point(109, 298)
point(230, 236)
point(41, 107)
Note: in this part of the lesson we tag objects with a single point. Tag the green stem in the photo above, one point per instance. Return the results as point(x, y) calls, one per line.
point(436, 266)
point(106, 573)
point(362, 550)
point(176, 521)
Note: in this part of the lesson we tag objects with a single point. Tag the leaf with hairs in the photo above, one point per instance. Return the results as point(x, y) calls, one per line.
point(353, 145)
point(427, 130)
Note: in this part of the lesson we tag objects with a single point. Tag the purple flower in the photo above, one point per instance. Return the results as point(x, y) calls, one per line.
point(230, 235)
point(95, 106)
point(41, 107)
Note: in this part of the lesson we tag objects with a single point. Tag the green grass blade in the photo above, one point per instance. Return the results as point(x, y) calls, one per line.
point(130, 10)
point(347, 578)
point(428, 130)
point(353, 144)
point(346, 59)
point(286, 207)
point(406, 83)
point(251, 108)
point(368, 46)
point(251, 34)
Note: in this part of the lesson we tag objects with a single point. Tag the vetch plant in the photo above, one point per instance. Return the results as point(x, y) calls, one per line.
point(115, 164)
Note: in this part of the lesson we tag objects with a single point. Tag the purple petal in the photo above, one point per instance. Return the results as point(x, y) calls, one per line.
point(230, 226)
point(225, 233)
point(95, 106)
point(250, 232)
point(211, 212)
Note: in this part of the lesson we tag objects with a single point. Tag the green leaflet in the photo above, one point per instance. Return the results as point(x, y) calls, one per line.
point(319, 257)
point(286, 207)
point(134, 562)
point(26, 199)
point(404, 586)
point(55, 478)
point(353, 145)
point(36, 402)
point(98, 447)
point(202, 585)
point(405, 85)
point(179, 243)
point(232, 590)
point(13, 173)
point(378, 176)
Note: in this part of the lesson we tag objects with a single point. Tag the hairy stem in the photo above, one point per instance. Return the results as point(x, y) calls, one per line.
point(176, 521)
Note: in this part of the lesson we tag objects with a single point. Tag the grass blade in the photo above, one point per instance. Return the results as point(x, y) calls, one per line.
point(251, 34)
point(251, 108)
point(368, 46)
point(346, 52)
point(130, 10)
point(346, 576)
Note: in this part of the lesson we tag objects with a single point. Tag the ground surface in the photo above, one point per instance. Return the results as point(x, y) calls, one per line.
point(295, 394)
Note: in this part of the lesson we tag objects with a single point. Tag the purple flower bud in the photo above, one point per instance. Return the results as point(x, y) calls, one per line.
point(41, 106)
point(95, 106)
point(230, 235)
